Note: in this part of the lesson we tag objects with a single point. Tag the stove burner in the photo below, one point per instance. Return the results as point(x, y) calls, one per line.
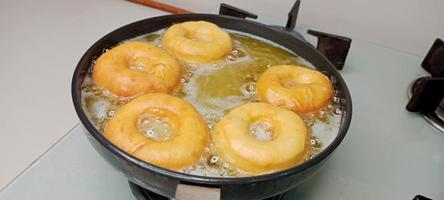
point(143, 194)
point(334, 47)
point(426, 97)
point(426, 94)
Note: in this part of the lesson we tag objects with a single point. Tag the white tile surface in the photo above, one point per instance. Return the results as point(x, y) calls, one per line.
point(71, 170)
point(40, 44)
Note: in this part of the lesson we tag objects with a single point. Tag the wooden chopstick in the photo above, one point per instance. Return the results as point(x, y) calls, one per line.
point(161, 6)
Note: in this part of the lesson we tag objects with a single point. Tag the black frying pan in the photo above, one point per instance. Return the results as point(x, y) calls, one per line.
point(165, 182)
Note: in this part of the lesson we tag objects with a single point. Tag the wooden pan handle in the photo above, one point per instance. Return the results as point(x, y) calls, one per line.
point(191, 192)
point(161, 6)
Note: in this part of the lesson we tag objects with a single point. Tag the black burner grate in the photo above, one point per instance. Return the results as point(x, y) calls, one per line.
point(426, 93)
point(143, 194)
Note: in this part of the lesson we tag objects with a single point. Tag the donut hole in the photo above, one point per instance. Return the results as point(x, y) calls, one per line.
point(189, 35)
point(288, 82)
point(142, 64)
point(136, 67)
point(203, 35)
point(261, 131)
point(155, 127)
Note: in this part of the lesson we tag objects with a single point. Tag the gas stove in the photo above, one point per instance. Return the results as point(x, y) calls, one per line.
point(426, 94)
point(389, 152)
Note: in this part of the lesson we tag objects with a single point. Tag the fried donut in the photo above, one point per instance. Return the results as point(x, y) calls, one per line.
point(236, 144)
point(135, 68)
point(296, 88)
point(141, 128)
point(197, 41)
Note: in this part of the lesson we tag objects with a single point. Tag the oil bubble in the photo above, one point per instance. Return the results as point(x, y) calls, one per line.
point(231, 58)
point(214, 160)
point(110, 113)
point(337, 111)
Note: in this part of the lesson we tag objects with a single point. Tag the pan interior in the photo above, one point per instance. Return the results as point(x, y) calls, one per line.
point(215, 89)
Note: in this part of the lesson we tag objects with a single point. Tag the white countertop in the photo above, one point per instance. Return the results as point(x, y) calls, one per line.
point(42, 42)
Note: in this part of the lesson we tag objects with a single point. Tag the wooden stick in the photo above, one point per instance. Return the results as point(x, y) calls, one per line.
point(161, 6)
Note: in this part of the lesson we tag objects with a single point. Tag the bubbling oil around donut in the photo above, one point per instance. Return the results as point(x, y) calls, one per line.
point(214, 89)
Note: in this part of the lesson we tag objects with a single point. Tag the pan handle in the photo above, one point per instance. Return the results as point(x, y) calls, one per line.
point(192, 192)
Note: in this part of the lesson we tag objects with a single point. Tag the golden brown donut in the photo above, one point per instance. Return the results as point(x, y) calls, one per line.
point(188, 132)
point(235, 144)
point(135, 68)
point(296, 88)
point(197, 41)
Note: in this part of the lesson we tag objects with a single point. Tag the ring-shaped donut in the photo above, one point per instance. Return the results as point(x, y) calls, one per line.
point(136, 68)
point(235, 144)
point(197, 41)
point(296, 88)
point(189, 137)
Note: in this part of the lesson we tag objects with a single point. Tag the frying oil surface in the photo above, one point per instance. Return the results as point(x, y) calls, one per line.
point(215, 89)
